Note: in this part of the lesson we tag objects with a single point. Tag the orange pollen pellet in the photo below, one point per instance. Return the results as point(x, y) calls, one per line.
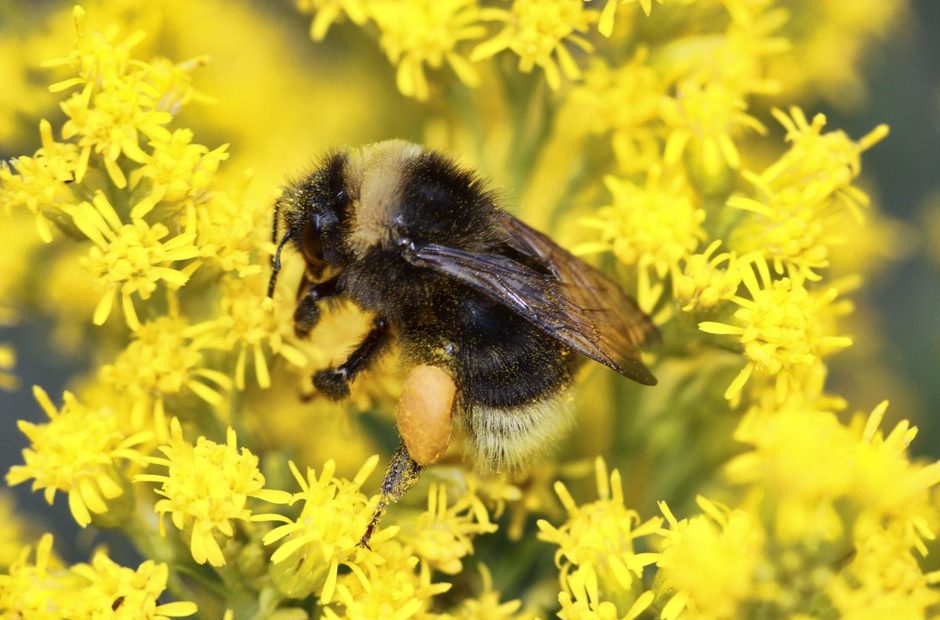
point(425, 413)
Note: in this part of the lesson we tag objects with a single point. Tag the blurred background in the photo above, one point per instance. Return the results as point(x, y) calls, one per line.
point(327, 95)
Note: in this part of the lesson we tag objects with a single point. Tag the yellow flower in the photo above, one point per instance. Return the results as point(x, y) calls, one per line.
point(390, 588)
point(46, 590)
point(707, 563)
point(97, 59)
point(40, 184)
point(734, 60)
point(783, 330)
point(597, 544)
point(80, 452)
point(487, 606)
point(606, 24)
point(802, 496)
point(131, 258)
point(39, 589)
point(227, 227)
point(108, 124)
point(654, 227)
point(884, 580)
point(250, 325)
point(888, 484)
point(806, 196)
point(178, 171)
point(120, 99)
point(708, 278)
point(442, 536)
point(206, 488)
point(328, 11)
point(537, 31)
point(704, 121)
point(115, 591)
point(325, 535)
point(581, 600)
point(625, 101)
point(416, 33)
point(164, 359)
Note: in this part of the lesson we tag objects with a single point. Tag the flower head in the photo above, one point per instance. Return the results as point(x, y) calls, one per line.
point(325, 535)
point(45, 589)
point(164, 359)
point(597, 543)
point(251, 325)
point(119, 592)
point(206, 488)
point(131, 258)
point(805, 198)
point(707, 563)
point(652, 226)
point(80, 451)
point(703, 123)
point(537, 31)
point(178, 171)
point(443, 535)
point(398, 587)
point(708, 278)
point(783, 329)
point(426, 32)
point(40, 184)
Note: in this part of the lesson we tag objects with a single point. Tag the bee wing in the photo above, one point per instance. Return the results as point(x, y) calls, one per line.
point(574, 303)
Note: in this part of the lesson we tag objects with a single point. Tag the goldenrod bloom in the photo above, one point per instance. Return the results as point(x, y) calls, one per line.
point(251, 325)
point(416, 33)
point(783, 329)
point(651, 226)
point(164, 359)
point(131, 258)
point(649, 132)
point(80, 451)
point(443, 535)
point(596, 550)
point(46, 590)
point(206, 488)
point(537, 31)
point(708, 278)
point(325, 535)
point(399, 587)
point(707, 563)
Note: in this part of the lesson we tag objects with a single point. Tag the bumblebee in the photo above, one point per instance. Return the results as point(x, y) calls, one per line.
point(493, 305)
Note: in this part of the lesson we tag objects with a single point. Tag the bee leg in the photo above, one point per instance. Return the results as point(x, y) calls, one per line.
point(308, 311)
point(334, 382)
point(402, 474)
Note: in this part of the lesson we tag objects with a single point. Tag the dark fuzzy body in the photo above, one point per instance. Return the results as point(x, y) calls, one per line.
point(366, 206)
point(497, 358)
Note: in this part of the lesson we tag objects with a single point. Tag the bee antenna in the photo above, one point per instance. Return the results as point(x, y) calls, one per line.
point(276, 264)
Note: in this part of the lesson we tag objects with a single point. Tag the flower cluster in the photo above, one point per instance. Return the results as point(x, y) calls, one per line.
point(44, 588)
point(665, 141)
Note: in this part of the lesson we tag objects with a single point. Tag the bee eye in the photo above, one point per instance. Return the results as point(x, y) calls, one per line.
point(313, 248)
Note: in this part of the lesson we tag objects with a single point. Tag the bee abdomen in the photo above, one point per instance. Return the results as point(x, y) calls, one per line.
point(508, 438)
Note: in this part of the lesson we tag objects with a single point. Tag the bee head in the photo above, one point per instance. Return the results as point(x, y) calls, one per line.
point(314, 211)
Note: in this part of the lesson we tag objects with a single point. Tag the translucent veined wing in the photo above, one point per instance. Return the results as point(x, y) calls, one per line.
point(569, 300)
